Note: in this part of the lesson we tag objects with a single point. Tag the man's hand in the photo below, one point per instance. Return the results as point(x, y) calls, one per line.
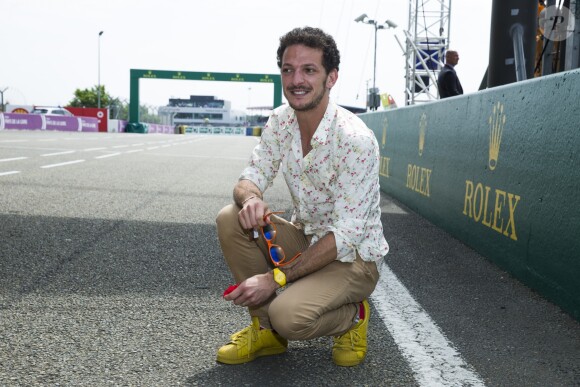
point(252, 214)
point(249, 198)
point(254, 291)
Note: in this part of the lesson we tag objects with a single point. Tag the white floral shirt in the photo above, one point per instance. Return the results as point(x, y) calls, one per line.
point(335, 187)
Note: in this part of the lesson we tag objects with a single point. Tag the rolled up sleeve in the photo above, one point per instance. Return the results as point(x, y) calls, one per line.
point(265, 159)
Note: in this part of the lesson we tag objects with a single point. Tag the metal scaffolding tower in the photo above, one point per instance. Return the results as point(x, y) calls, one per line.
point(427, 40)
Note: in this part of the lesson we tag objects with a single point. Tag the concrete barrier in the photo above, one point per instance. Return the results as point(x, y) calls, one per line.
point(499, 170)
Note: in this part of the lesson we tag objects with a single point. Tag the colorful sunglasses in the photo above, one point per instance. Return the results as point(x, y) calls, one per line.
point(276, 252)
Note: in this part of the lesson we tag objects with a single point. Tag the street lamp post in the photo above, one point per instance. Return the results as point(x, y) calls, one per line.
point(99, 71)
point(373, 101)
point(2, 98)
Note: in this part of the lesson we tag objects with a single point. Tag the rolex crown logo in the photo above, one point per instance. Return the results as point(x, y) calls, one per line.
point(422, 129)
point(384, 139)
point(496, 125)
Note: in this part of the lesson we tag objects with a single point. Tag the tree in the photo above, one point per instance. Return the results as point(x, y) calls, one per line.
point(90, 98)
point(146, 116)
point(118, 109)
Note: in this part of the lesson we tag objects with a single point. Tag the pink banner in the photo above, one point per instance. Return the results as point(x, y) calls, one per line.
point(48, 122)
point(158, 128)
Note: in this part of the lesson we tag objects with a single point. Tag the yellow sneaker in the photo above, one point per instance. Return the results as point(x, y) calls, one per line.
point(350, 349)
point(250, 343)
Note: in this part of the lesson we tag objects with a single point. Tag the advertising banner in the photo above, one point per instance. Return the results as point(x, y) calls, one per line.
point(102, 115)
point(158, 128)
point(498, 173)
point(20, 121)
point(47, 122)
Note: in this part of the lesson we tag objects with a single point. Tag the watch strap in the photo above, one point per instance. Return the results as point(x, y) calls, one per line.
point(279, 277)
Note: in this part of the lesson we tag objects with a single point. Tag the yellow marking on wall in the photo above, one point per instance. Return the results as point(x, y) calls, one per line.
point(384, 168)
point(496, 124)
point(476, 206)
point(384, 138)
point(419, 179)
point(422, 130)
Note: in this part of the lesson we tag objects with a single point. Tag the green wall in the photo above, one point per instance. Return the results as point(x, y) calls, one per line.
point(499, 170)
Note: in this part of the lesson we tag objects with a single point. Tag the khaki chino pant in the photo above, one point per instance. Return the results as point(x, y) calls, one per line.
point(323, 303)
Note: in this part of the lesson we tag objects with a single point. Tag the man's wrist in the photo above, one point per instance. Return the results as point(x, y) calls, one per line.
point(279, 277)
point(250, 198)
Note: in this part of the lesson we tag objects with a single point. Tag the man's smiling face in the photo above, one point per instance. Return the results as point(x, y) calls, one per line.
point(305, 81)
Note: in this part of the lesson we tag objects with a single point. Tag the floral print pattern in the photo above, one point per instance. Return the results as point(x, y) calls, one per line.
point(335, 187)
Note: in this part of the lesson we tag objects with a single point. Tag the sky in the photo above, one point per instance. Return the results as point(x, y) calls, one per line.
point(51, 48)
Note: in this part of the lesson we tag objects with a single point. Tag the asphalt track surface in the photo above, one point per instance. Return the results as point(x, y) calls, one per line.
point(111, 275)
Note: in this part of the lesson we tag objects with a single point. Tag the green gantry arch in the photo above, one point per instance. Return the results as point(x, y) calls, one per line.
point(137, 74)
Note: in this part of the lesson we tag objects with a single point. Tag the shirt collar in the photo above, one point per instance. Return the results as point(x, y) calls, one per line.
point(288, 116)
point(321, 133)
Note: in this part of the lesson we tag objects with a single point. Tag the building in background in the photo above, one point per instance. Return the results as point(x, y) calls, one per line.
point(201, 110)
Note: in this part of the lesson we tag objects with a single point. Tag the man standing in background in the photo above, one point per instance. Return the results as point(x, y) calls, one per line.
point(448, 83)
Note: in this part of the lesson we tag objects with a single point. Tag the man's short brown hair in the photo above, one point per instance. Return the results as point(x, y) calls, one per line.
point(313, 38)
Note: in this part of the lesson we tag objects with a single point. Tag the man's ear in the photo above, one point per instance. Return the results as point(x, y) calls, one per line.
point(331, 79)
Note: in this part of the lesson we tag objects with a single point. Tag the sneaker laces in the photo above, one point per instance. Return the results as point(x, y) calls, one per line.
point(348, 340)
point(240, 339)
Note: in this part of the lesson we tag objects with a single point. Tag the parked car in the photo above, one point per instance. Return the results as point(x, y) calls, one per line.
point(51, 110)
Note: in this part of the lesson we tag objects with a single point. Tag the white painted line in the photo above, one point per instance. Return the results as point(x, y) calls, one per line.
point(135, 150)
point(152, 147)
point(13, 159)
point(141, 143)
point(12, 141)
point(165, 146)
point(58, 153)
point(93, 149)
point(62, 164)
point(120, 146)
point(108, 155)
point(432, 358)
point(9, 173)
